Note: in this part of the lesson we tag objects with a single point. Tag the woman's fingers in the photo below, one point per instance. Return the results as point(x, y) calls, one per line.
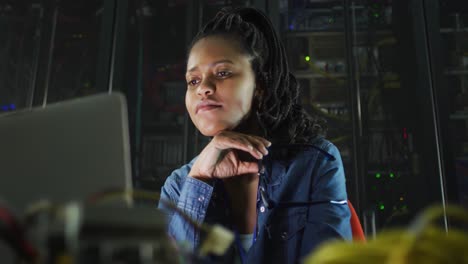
point(256, 149)
point(246, 167)
point(221, 158)
point(260, 143)
point(254, 145)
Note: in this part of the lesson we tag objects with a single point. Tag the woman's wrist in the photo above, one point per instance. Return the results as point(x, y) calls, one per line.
point(199, 177)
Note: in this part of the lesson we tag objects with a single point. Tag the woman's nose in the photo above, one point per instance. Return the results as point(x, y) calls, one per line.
point(206, 88)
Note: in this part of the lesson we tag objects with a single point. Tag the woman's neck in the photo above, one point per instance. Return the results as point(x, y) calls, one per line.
point(250, 126)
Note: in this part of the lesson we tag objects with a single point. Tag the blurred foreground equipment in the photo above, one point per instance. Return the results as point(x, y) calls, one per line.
point(424, 242)
point(101, 234)
point(106, 228)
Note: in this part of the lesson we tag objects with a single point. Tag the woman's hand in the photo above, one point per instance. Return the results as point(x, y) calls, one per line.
point(229, 154)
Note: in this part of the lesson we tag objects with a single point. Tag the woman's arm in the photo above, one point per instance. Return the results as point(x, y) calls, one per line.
point(229, 154)
point(329, 220)
point(191, 196)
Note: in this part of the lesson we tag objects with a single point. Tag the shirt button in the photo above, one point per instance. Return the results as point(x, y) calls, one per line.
point(284, 235)
point(201, 198)
point(262, 209)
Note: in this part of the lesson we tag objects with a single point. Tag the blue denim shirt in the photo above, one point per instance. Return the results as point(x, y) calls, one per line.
point(301, 202)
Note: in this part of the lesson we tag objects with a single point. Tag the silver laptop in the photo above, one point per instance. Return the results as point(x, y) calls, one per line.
point(64, 151)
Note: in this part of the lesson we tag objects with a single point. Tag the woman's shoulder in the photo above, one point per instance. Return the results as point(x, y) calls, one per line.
point(320, 145)
point(325, 146)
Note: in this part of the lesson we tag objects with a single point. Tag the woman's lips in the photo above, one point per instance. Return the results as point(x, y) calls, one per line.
point(205, 106)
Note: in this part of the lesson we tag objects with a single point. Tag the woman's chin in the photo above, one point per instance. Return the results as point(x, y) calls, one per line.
point(213, 131)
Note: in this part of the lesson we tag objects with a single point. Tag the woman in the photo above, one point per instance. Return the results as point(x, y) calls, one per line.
point(268, 174)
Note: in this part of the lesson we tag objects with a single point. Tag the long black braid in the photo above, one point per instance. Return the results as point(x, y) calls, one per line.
point(279, 113)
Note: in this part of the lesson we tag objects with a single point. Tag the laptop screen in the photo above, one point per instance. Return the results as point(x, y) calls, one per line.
point(64, 151)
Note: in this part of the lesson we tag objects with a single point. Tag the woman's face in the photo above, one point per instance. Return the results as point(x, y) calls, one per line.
point(220, 85)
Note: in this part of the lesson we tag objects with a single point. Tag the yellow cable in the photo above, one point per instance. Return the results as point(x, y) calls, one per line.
point(424, 242)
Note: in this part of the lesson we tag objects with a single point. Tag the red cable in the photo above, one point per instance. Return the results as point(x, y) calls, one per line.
point(18, 235)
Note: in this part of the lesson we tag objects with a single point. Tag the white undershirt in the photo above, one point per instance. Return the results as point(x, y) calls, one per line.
point(246, 241)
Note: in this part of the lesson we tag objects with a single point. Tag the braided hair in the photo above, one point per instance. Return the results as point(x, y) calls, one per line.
point(280, 116)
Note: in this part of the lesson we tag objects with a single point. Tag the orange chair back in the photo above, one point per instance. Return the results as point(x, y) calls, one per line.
point(356, 227)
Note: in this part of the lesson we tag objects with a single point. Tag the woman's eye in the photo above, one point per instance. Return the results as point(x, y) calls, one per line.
point(223, 73)
point(193, 82)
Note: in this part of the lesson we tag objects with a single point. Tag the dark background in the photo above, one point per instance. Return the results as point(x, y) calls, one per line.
point(389, 76)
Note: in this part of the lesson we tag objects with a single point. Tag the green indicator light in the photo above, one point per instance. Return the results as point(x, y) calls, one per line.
point(378, 175)
point(307, 58)
point(376, 15)
point(392, 175)
point(381, 207)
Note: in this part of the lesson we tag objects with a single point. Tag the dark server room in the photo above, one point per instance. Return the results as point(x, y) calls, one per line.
point(233, 131)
